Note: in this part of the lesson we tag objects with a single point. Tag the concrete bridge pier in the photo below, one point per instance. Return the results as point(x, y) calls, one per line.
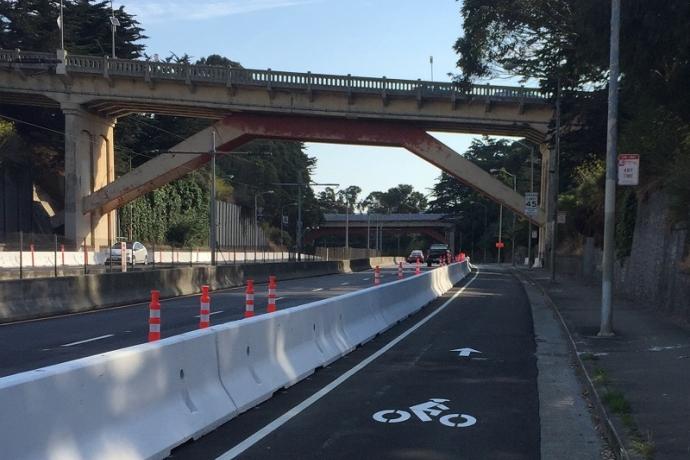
point(89, 166)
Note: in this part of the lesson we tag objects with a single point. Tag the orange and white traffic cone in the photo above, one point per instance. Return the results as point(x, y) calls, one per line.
point(205, 312)
point(417, 269)
point(400, 271)
point(377, 276)
point(272, 285)
point(249, 299)
point(154, 317)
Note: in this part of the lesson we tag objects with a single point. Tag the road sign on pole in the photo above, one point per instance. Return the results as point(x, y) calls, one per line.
point(628, 169)
point(532, 203)
point(500, 245)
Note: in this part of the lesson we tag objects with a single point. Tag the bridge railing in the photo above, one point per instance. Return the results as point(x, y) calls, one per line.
point(272, 79)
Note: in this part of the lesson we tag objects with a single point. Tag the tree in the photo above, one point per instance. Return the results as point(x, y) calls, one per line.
point(400, 199)
point(32, 25)
point(567, 41)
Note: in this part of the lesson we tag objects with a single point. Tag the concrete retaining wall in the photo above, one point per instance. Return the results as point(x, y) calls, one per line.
point(42, 297)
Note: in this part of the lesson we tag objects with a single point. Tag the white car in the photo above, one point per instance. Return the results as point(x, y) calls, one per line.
point(135, 253)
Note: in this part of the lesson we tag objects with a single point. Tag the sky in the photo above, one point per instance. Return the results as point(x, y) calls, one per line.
point(392, 38)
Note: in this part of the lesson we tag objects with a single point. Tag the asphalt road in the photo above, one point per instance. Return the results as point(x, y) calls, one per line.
point(407, 394)
point(38, 343)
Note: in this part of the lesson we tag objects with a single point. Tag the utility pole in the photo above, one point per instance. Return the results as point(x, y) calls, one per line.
point(500, 230)
point(347, 226)
point(554, 182)
point(298, 231)
point(431, 63)
point(212, 210)
point(529, 221)
point(131, 208)
point(606, 327)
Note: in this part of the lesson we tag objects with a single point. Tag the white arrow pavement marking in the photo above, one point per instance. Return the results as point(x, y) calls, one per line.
point(466, 351)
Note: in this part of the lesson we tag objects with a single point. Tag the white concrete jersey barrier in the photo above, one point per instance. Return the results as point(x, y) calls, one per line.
point(142, 401)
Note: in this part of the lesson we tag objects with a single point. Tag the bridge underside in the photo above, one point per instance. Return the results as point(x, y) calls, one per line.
point(237, 129)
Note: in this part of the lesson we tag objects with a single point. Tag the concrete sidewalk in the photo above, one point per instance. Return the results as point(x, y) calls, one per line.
point(642, 375)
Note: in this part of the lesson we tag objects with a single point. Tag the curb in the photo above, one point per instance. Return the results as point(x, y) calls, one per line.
point(609, 429)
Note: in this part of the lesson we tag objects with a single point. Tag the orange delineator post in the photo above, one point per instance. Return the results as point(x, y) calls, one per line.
point(400, 271)
point(272, 285)
point(154, 316)
point(205, 305)
point(377, 275)
point(417, 270)
point(249, 299)
point(62, 253)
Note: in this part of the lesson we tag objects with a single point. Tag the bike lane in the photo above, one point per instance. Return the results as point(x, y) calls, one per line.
point(462, 385)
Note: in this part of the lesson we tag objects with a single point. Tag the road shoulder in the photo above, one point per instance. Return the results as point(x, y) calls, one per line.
point(566, 423)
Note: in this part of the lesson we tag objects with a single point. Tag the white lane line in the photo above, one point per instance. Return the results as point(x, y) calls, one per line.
point(344, 284)
point(366, 279)
point(283, 419)
point(317, 289)
point(279, 298)
point(71, 344)
point(212, 313)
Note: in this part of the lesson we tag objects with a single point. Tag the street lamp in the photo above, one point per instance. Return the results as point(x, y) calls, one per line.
point(256, 219)
point(114, 24)
point(504, 171)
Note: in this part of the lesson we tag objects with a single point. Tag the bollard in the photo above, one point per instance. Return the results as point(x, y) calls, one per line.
point(62, 252)
point(249, 299)
point(272, 285)
point(400, 271)
point(154, 317)
point(377, 276)
point(417, 270)
point(205, 309)
point(33, 257)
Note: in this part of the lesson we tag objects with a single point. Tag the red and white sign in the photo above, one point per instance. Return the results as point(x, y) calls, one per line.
point(628, 169)
point(500, 245)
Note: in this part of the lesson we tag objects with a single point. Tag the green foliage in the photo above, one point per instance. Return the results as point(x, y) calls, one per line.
point(400, 199)
point(567, 41)
point(625, 222)
point(176, 213)
point(31, 25)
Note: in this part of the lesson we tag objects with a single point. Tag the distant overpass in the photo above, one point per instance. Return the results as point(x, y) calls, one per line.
point(94, 91)
point(432, 225)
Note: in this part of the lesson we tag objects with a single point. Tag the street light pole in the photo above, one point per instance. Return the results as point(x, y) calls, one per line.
point(212, 211)
point(606, 327)
point(554, 197)
point(500, 229)
point(114, 22)
point(347, 226)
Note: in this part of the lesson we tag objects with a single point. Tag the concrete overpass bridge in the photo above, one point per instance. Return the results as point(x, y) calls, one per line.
point(247, 104)
point(432, 225)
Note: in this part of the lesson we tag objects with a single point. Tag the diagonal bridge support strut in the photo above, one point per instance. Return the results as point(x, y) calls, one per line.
point(240, 128)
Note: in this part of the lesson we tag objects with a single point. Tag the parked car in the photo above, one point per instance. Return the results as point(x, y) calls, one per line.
point(415, 255)
point(135, 253)
point(436, 251)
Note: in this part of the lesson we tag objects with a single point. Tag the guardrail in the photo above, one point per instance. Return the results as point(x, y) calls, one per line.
point(271, 79)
